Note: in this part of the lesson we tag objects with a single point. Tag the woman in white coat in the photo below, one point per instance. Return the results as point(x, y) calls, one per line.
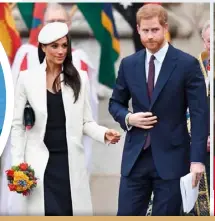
point(59, 96)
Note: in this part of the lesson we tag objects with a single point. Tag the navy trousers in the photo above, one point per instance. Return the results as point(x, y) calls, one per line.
point(136, 189)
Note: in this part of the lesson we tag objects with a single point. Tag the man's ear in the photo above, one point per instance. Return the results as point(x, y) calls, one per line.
point(166, 27)
point(138, 29)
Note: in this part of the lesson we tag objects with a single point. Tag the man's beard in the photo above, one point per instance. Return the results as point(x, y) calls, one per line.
point(156, 44)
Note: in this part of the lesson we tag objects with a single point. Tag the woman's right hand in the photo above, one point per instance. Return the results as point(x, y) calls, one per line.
point(112, 136)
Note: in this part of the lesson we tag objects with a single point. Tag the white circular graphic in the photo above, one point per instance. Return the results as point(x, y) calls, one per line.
point(9, 99)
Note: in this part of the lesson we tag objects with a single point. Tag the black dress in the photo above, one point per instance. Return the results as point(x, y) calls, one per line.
point(57, 191)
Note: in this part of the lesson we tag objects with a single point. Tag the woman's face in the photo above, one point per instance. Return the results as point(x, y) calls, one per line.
point(56, 52)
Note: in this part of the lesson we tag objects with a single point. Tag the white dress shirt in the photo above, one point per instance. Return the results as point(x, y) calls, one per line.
point(159, 58)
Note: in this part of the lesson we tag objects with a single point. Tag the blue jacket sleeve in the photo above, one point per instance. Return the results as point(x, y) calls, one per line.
point(118, 104)
point(199, 113)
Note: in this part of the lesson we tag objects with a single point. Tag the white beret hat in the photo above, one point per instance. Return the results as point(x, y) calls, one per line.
point(52, 32)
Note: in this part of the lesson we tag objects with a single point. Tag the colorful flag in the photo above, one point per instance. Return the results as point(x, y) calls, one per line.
point(26, 11)
point(101, 20)
point(32, 14)
point(37, 22)
point(9, 36)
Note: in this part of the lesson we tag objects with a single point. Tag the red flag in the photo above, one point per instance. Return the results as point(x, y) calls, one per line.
point(24, 64)
point(9, 36)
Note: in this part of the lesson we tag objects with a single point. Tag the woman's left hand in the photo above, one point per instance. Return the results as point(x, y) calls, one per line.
point(112, 136)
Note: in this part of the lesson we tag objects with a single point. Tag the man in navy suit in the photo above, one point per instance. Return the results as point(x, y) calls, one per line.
point(162, 82)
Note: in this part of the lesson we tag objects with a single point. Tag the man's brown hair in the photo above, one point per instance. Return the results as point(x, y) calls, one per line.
point(150, 11)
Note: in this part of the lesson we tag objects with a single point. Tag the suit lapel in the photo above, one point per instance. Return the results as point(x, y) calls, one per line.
point(167, 69)
point(141, 78)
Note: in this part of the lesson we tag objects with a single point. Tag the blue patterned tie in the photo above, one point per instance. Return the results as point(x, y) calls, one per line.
point(150, 84)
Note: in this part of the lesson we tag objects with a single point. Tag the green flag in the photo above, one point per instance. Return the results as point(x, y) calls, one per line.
point(100, 18)
point(26, 11)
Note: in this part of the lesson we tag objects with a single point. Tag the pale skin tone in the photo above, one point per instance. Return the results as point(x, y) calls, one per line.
point(57, 15)
point(55, 55)
point(152, 35)
point(206, 39)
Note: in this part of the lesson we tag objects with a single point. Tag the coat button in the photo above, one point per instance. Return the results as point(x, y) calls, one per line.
point(145, 135)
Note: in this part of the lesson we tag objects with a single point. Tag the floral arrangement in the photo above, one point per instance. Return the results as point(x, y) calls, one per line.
point(21, 179)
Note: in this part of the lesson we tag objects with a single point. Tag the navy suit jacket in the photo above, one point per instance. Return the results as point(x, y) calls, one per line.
point(180, 85)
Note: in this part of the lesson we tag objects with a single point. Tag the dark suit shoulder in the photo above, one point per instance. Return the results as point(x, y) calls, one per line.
point(185, 57)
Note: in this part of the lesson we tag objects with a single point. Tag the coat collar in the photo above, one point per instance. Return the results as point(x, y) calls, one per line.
point(42, 90)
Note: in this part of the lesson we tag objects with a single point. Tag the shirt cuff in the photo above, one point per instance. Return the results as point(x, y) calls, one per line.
point(129, 127)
